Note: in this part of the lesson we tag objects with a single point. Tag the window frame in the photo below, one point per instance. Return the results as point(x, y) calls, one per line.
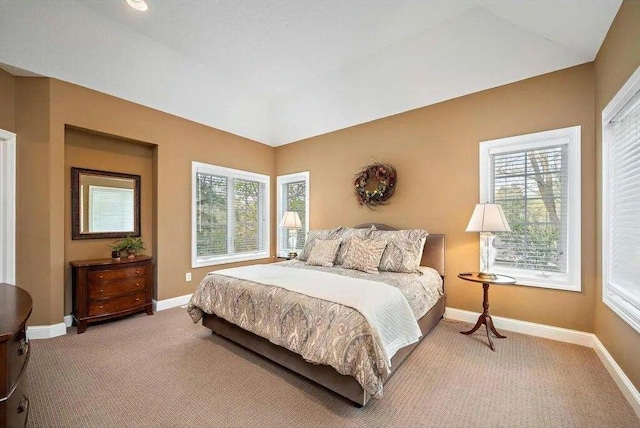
point(622, 304)
point(571, 281)
point(230, 173)
point(282, 180)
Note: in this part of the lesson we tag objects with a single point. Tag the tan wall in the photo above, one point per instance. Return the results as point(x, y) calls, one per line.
point(33, 203)
point(87, 150)
point(617, 60)
point(44, 107)
point(7, 101)
point(435, 150)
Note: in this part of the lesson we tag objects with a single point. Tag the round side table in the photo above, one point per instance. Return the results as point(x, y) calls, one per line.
point(485, 317)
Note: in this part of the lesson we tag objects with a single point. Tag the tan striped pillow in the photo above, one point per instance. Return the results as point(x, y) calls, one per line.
point(323, 252)
point(364, 254)
point(346, 233)
point(311, 239)
point(404, 249)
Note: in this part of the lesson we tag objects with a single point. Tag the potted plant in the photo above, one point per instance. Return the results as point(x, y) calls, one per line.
point(129, 244)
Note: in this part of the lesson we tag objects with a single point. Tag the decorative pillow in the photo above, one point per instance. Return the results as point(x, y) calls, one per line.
point(311, 238)
point(346, 233)
point(364, 254)
point(404, 249)
point(323, 252)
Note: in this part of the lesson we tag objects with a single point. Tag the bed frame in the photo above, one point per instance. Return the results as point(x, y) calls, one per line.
point(327, 376)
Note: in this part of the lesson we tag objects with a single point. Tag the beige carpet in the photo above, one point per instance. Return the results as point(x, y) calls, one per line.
point(165, 371)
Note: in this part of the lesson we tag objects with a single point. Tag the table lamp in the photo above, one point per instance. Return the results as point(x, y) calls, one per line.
point(488, 219)
point(291, 221)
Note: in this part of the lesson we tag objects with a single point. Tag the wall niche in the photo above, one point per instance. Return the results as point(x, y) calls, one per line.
point(93, 150)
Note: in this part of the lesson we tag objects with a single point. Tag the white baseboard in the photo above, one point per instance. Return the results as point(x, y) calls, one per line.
point(563, 335)
point(60, 329)
point(174, 302)
point(68, 320)
point(621, 379)
point(525, 327)
point(46, 331)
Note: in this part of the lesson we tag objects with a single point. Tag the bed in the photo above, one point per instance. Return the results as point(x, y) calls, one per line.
point(346, 358)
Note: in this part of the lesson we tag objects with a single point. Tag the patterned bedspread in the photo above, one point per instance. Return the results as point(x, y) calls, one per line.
point(322, 332)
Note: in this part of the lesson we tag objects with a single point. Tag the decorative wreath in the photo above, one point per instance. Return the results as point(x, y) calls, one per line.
point(375, 184)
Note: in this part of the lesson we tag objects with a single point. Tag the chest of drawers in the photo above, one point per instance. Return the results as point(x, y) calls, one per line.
point(105, 289)
point(15, 308)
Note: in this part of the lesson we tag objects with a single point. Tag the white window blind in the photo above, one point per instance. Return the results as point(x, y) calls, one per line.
point(247, 199)
point(230, 215)
point(110, 209)
point(293, 195)
point(531, 186)
point(211, 215)
point(536, 179)
point(621, 203)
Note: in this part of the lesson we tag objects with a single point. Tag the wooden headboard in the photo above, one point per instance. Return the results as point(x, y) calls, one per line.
point(434, 247)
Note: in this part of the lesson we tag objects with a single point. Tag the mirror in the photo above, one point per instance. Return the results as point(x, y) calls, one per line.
point(104, 204)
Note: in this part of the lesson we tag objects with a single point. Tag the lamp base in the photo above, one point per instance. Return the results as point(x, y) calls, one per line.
point(487, 275)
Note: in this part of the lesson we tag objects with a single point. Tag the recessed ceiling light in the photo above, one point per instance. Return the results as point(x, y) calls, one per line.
point(140, 5)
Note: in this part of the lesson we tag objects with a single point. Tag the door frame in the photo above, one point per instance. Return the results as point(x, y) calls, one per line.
point(7, 207)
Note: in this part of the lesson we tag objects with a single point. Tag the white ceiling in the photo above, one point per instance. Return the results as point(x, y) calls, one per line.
point(278, 71)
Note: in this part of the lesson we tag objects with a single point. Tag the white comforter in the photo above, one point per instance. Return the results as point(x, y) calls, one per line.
point(383, 306)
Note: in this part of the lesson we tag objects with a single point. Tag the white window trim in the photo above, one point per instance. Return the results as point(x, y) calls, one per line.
point(238, 174)
point(619, 302)
point(570, 281)
point(7, 207)
point(281, 180)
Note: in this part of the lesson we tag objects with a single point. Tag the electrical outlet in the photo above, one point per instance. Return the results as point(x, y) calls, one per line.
point(188, 276)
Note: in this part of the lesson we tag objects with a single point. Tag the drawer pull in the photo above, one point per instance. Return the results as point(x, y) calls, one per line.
point(100, 276)
point(100, 306)
point(137, 271)
point(24, 347)
point(23, 406)
point(137, 284)
point(101, 290)
point(137, 299)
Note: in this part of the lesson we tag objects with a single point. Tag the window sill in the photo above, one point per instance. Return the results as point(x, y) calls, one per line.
point(554, 283)
point(623, 308)
point(229, 259)
point(285, 254)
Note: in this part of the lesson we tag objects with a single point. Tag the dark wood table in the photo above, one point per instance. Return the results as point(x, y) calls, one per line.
point(484, 317)
point(15, 308)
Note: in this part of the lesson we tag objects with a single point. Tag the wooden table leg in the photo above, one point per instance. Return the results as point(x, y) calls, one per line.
point(475, 327)
point(486, 319)
point(493, 328)
point(491, 345)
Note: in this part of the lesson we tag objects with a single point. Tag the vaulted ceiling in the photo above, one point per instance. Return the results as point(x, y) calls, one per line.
point(278, 71)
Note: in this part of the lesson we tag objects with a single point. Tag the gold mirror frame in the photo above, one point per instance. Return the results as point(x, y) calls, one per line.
point(76, 233)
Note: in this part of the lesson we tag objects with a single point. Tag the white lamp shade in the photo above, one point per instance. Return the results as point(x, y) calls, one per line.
point(291, 220)
point(140, 5)
point(488, 218)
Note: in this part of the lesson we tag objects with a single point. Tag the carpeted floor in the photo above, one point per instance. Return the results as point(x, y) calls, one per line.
point(165, 371)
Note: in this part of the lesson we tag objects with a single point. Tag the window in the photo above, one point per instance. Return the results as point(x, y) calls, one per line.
point(293, 195)
point(536, 179)
point(230, 215)
point(621, 202)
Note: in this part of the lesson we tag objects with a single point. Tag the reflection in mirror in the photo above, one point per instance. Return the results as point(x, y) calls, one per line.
point(104, 204)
